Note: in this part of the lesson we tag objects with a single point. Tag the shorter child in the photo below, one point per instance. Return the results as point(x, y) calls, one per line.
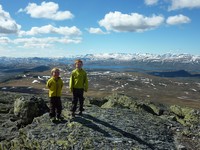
point(78, 84)
point(55, 84)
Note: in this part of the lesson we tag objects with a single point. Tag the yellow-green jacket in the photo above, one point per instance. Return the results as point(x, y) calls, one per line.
point(79, 80)
point(55, 87)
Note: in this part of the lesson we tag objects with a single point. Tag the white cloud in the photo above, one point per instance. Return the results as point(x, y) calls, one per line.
point(96, 31)
point(178, 19)
point(118, 22)
point(151, 2)
point(49, 29)
point(36, 45)
point(44, 42)
point(179, 4)
point(47, 10)
point(67, 40)
point(7, 24)
point(4, 40)
point(34, 42)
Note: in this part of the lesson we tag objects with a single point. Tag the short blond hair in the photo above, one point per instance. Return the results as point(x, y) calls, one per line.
point(54, 70)
point(78, 60)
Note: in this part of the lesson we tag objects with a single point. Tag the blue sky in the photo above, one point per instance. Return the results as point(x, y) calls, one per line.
point(36, 28)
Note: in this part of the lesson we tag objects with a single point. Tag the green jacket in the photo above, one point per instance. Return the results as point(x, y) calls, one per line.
point(79, 80)
point(55, 87)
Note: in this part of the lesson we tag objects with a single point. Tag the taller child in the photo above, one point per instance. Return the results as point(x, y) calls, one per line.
point(78, 84)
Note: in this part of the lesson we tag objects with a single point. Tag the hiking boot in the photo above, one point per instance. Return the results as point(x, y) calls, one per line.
point(60, 118)
point(81, 109)
point(80, 113)
point(53, 119)
point(73, 114)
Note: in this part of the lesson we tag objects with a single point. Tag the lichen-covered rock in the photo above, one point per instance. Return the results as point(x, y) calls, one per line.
point(28, 108)
point(96, 129)
point(94, 101)
point(152, 108)
point(117, 100)
point(123, 101)
point(186, 116)
point(129, 125)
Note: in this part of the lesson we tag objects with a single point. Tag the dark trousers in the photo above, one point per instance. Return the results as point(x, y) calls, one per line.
point(77, 96)
point(55, 107)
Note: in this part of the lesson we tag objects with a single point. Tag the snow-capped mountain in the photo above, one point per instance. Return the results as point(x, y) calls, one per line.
point(183, 58)
point(129, 60)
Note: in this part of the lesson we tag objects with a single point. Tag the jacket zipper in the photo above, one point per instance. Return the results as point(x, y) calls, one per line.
point(56, 88)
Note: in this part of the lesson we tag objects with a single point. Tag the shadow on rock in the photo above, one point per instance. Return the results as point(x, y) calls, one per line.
point(89, 121)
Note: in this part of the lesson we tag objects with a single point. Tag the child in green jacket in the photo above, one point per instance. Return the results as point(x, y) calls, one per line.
point(78, 84)
point(55, 84)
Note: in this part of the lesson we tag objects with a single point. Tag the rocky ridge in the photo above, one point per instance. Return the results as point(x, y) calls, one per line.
point(113, 122)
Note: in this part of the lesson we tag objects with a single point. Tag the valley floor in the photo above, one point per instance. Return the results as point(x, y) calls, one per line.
point(180, 91)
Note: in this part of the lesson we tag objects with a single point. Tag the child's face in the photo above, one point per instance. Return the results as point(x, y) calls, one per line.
point(79, 65)
point(56, 74)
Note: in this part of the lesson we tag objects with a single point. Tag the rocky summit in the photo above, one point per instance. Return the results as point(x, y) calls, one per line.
point(112, 122)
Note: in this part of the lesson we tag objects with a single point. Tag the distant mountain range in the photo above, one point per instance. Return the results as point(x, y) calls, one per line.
point(142, 62)
point(183, 58)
